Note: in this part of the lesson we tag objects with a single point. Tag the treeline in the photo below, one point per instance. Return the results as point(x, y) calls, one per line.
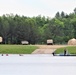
point(36, 30)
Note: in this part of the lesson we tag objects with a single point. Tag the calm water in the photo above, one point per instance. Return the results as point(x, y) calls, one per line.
point(37, 65)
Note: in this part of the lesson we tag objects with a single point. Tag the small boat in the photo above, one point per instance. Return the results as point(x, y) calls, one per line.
point(62, 54)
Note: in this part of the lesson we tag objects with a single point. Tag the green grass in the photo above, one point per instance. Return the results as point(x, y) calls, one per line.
point(71, 50)
point(17, 49)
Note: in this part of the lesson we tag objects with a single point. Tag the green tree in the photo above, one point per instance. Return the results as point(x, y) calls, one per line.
point(75, 10)
point(62, 14)
point(57, 15)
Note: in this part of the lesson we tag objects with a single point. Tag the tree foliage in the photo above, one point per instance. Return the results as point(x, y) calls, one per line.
point(36, 30)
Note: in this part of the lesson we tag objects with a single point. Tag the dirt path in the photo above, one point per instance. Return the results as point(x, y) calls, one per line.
point(47, 49)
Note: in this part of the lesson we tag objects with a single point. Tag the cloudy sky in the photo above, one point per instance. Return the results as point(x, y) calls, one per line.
point(36, 7)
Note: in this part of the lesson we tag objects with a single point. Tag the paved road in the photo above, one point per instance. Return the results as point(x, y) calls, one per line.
point(47, 49)
point(43, 51)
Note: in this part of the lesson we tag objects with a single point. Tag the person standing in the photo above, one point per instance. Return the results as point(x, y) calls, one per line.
point(65, 52)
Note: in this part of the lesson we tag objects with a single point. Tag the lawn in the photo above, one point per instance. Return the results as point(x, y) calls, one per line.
point(17, 49)
point(71, 50)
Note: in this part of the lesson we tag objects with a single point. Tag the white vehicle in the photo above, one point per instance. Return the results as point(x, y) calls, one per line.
point(24, 42)
point(1, 39)
point(49, 42)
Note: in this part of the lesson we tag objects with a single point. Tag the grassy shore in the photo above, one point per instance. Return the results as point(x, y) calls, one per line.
point(71, 50)
point(17, 49)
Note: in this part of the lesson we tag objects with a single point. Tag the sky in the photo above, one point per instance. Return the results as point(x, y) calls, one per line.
point(30, 8)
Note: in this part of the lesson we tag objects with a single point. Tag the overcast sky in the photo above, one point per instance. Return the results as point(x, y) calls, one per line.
point(36, 7)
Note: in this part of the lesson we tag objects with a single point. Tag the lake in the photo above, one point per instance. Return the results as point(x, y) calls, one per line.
point(37, 64)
